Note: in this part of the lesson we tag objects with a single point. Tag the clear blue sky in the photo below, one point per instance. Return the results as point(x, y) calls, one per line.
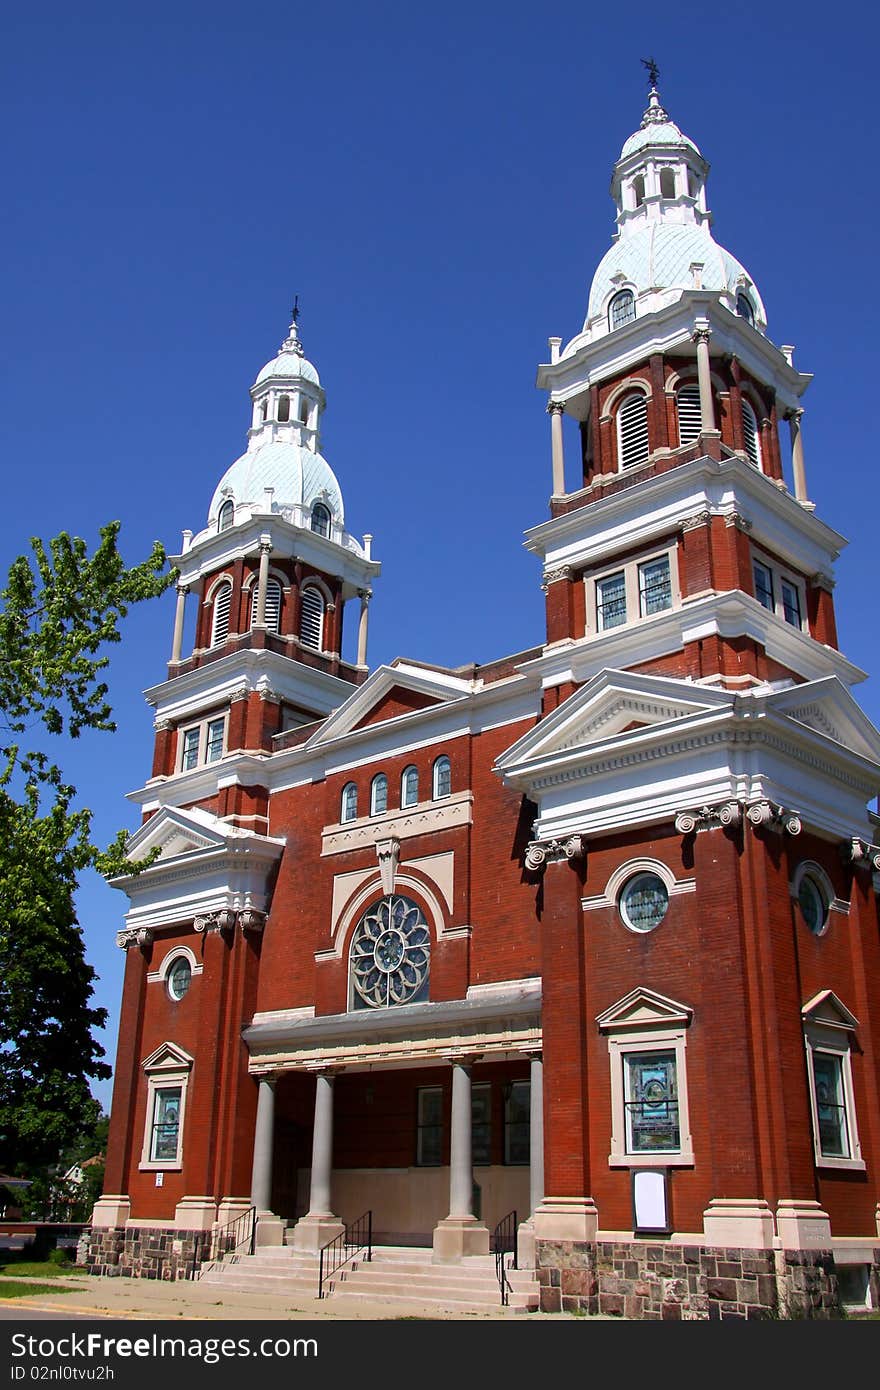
point(433, 182)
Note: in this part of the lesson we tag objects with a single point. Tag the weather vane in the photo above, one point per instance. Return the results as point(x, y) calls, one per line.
point(653, 70)
point(294, 313)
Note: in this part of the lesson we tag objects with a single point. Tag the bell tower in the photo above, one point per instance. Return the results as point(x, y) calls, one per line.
point(688, 546)
point(271, 572)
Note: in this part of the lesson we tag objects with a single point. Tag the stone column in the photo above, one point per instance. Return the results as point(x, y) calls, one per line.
point(555, 409)
point(525, 1236)
point(460, 1234)
point(179, 613)
point(270, 1229)
point(262, 581)
point(320, 1225)
point(707, 408)
point(797, 455)
point(365, 596)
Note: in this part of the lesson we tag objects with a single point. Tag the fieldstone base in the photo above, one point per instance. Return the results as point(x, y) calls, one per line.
point(142, 1252)
point(659, 1280)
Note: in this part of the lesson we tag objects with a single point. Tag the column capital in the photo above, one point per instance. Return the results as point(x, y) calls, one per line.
point(182, 590)
point(365, 595)
point(134, 936)
point(555, 407)
point(794, 415)
point(769, 816)
point(220, 922)
point(540, 853)
point(717, 817)
point(554, 575)
point(860, 853)
point(701, 334)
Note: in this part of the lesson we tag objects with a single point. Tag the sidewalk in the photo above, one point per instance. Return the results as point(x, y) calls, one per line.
point(161, 1300)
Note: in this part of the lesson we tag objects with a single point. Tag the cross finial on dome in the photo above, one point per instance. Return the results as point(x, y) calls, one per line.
point(654, 113)
point(291, 342)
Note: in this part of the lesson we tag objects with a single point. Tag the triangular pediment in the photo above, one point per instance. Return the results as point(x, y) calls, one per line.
point(389, 693)
point(644, 1008)
point(175, 833)
point(827, 707)
point(825, 1008)
point(167, 1057)
point(611, 704)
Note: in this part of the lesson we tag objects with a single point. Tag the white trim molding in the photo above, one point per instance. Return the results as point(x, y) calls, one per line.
point(829, 1031)
point(646, 1022)
point(167, 1068)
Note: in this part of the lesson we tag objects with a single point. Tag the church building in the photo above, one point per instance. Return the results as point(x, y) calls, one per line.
point(582, 942)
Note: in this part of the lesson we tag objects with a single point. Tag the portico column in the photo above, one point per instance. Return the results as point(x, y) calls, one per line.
point(264, 1136)
point(365, 596)
point(707, 409)
point(319, 1225)
point(525, 1235)
point(460, 1234)
point(536, 1131)
point(262, 581)
point(179, 612)
point(797, 455)
point(555, 409)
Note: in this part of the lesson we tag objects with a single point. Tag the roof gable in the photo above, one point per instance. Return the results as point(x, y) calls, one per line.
point(827, 707)
point(614, 702)
point(827, 1009)
point(644, 1008)
point(391, 691)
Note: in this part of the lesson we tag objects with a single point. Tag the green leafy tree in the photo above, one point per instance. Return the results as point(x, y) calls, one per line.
point(61, 607)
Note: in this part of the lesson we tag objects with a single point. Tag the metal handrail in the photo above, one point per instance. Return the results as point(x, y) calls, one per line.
point(337, 1252)
point(241, 1230)
point(504, 1243)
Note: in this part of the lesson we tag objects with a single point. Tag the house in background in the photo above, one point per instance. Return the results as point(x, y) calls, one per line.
point(588, 933)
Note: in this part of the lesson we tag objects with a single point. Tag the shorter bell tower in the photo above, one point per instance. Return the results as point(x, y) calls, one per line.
point(272, 573)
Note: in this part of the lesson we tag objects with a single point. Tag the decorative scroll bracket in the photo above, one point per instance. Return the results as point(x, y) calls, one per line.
point(769, 816)
point(388, 854)
point(134, 936)
point(861, 854)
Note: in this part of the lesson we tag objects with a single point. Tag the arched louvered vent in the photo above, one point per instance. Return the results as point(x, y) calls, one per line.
point(689, 418)
point(226, 515)
point(311, 628)
point(622, 309)
point(321, 519)
point(273, 605)
point(222, 608)
point(751, 436)
point(632, 430)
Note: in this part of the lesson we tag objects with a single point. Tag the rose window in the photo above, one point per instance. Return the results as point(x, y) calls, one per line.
point(390, 955)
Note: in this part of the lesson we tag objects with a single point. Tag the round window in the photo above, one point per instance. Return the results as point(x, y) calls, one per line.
point(390, 955)
point(179, 977)
point(643, 902)
point(813, 904)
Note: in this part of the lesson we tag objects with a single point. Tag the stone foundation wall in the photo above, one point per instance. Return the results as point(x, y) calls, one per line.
point(659, 1280)
point(142, 1252)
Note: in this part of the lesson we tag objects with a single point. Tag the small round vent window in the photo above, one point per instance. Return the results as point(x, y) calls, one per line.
point(179, 977)
point(813, 905)
point(643, 902)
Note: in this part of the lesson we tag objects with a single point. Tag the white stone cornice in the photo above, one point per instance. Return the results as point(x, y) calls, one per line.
point(431, 816)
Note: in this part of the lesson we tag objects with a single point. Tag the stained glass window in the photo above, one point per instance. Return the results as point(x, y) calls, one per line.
point(390, 955)
point(643, 902)
point(651, 1100)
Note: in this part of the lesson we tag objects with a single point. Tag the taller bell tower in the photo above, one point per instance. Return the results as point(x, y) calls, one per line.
point(689, 546)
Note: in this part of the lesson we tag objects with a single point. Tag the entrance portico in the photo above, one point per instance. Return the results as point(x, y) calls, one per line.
point(424, 1121)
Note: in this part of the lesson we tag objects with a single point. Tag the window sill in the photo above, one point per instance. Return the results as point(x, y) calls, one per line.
point(157, 1166)
point(849, 1165)
point(655, 1160)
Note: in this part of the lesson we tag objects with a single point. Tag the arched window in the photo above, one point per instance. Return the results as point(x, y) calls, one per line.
point(283, 414)
point(751, 434)
point(409, 786)
point(264, 409)
point(321, 519)
point(304, 412)
point(226, 515)
point(667, 183)
point(442, 778)
point(379, 795)
point(273, 605)
point(222, 609)
point(632, 430)
point(349, 807)
point(693, 190)
point(311, 625)
point(390, 957)
point(639, 189)
point(744, 308)
point(689, 415)
point(622, 309)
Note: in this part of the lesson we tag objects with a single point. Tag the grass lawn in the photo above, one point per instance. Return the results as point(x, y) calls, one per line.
point(15, 1288)
point(42, 1269)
